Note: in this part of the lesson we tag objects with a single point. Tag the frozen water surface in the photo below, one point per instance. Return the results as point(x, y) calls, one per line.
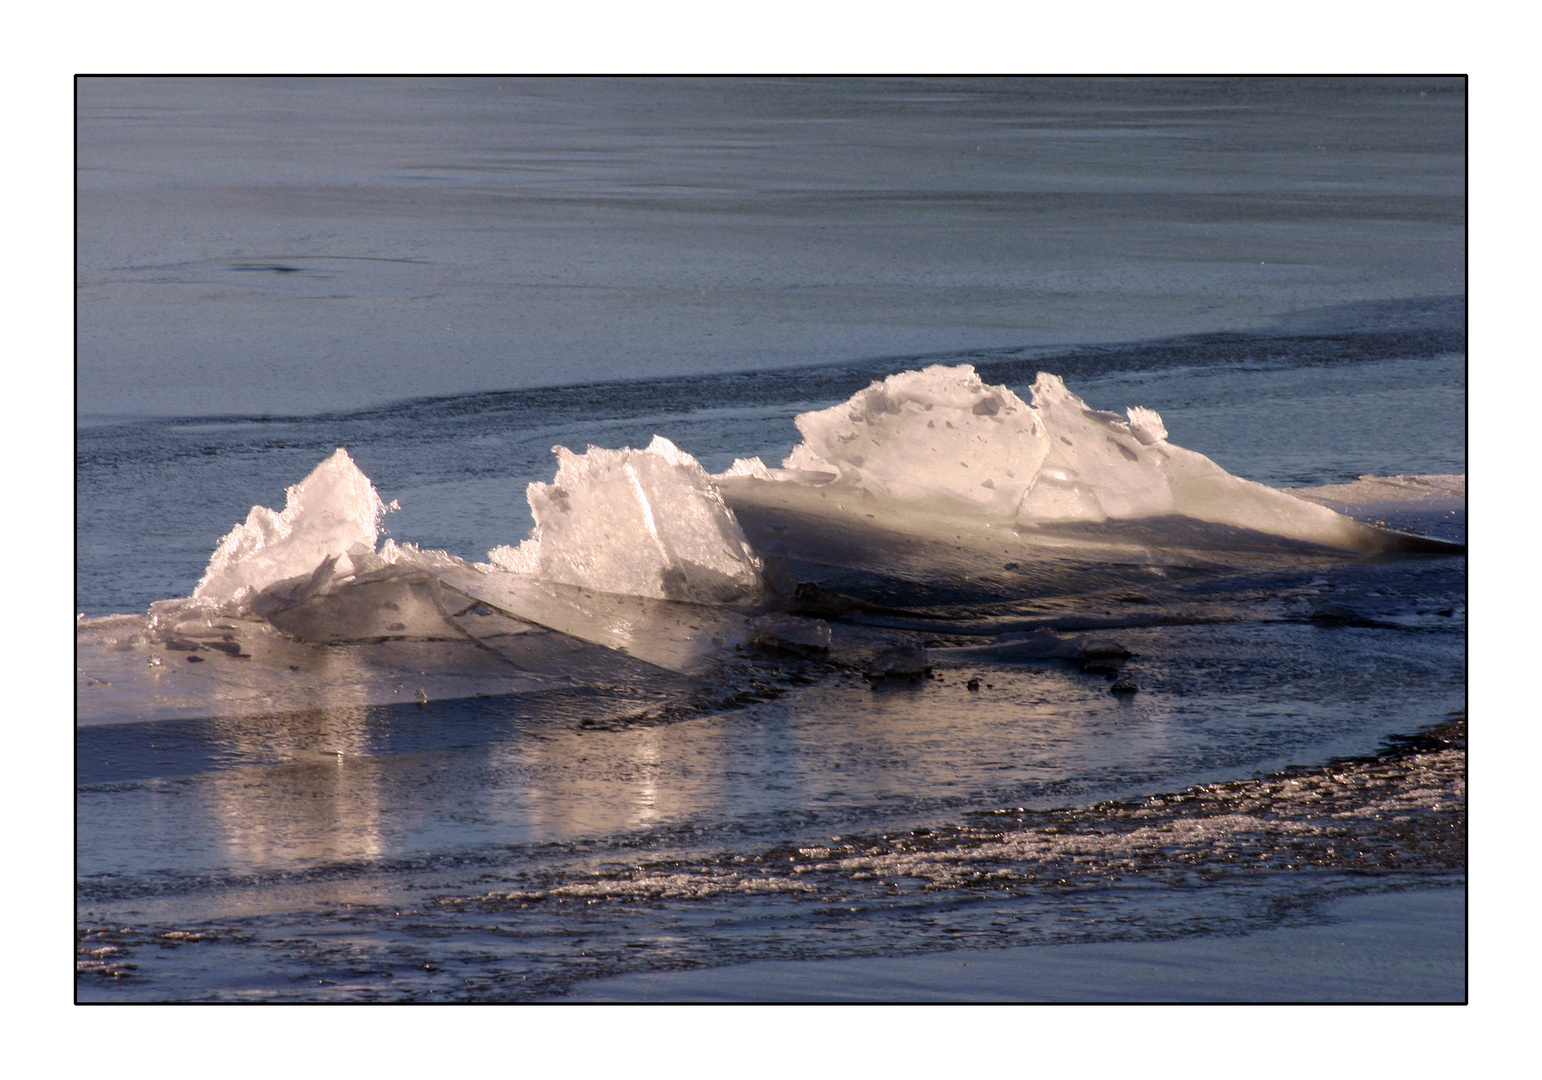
point(857, 615)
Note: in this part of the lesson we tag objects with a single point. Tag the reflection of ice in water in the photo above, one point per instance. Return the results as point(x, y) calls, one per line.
point(322, 804)
point(647, 760)
point(554, 783)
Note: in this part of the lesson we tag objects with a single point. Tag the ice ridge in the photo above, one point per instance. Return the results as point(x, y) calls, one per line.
point(933, 454)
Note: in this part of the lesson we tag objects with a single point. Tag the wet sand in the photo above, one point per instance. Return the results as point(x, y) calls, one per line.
point(1404, 947)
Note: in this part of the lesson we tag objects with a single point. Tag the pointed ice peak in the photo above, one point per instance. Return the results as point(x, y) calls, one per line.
point(752, 467)
point(671, 453)
point(335, 511)
point(1146, 425)
point(641, 522)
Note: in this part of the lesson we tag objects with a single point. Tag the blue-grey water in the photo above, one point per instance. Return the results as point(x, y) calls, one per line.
point(450, 277)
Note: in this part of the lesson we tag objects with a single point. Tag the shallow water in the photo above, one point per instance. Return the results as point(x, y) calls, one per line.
point(444, 802)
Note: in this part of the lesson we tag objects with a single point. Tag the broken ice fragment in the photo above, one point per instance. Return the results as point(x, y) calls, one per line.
point(334, 512)
point(639, 522)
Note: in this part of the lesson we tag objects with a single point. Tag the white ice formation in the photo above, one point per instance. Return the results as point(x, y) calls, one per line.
point(334, 513)
point(934, 454)
point(1099, 466)
point(942, 444)
point(641, 522)
point(938, 435)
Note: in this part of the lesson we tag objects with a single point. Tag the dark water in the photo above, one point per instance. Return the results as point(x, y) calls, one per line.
point(265, 266)
point(293, 246)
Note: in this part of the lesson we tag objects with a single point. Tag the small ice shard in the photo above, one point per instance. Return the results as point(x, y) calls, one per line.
point(637, 522)
point(1083, 647)
point(1032, 645)
point(1042, 645)
point(334, 513)
point(791, 634)
point(899, 662)
point(1146, 425)
point(749, 467)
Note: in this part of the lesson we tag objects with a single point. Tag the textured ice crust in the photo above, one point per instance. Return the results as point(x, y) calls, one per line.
point(934, 436)
point(334, 513)
point(941, 443)
point(640, 522)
